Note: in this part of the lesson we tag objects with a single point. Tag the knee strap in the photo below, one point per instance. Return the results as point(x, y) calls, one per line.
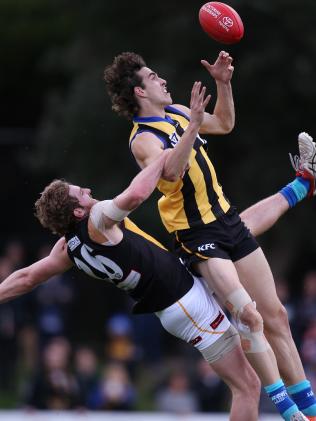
point(251, 342)
point(222, 346)
point(237, 300)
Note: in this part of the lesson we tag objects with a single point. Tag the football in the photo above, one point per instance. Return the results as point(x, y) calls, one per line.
point(221, 22)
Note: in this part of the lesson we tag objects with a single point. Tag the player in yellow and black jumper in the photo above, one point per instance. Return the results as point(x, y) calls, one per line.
point(194, 206)
point(208, 231)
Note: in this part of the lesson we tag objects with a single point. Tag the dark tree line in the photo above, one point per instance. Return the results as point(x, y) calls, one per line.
point(52, 60)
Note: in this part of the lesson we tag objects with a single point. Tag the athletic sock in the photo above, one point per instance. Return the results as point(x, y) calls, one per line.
point(303, 396)
point(279, 396)
point(296, 191)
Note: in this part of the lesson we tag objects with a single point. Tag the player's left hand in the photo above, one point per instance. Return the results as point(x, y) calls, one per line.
point(222, 70)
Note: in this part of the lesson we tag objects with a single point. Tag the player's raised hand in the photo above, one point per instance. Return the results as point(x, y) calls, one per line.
point(198, 103)
point(222, 69)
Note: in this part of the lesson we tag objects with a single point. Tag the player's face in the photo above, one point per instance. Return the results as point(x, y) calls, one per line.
point(155, 87)
point(83, 195)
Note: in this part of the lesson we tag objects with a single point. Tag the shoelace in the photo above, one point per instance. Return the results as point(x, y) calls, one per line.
point(295, 162)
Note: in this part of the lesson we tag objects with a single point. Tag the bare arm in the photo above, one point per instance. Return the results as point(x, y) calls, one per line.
point(222, 120)
point(105, 215)
point(24, 280)
point(260, 217)
point(143, 184)
point(147, 147)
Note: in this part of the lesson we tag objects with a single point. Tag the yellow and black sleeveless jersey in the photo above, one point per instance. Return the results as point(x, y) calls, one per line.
point(197, 198)
point(138, 265)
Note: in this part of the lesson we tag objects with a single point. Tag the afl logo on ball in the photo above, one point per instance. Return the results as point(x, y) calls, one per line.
point(227, 21)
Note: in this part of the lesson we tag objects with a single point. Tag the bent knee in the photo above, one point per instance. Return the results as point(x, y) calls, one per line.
point(278, 320)
point(251, 318)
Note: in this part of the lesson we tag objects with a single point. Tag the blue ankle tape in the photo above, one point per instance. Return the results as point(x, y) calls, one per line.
point(303, 396)
point(298, 387)
point(279, 396)
point(296, 191)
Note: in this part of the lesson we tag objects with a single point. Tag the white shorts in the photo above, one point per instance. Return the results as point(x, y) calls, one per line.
point(196, 317)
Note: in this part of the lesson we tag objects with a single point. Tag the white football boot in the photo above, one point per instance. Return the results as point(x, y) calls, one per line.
point(305, 163)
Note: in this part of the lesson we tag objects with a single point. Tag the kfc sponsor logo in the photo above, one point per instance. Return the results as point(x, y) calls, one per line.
point(205, 247)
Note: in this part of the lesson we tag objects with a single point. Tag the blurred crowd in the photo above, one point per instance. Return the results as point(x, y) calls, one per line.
point(129, 364)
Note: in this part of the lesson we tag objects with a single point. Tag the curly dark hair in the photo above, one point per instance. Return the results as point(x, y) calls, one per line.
point(55, 207)
point(121, 78)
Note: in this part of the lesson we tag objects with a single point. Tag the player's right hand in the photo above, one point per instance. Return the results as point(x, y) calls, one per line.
point(198, 103)
point(222, 70)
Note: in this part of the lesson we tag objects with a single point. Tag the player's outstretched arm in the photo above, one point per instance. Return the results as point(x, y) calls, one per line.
point(177, 161)
point(143, 185)
point(105, 214)
point(24, 280)
point(147, 146)
point(222, 120)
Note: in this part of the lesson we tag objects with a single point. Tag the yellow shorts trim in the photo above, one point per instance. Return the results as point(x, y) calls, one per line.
point(189, 251)
point(212, 332)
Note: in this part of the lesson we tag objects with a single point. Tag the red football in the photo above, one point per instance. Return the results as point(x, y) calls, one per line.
point(221, 22)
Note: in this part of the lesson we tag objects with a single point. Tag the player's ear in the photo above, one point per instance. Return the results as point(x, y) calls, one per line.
point(79, 213)
point(138, 91)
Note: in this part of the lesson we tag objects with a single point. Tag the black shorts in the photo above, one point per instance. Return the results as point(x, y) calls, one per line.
point(226, 238)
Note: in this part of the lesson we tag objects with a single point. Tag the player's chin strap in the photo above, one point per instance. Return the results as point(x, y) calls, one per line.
point(251, 334)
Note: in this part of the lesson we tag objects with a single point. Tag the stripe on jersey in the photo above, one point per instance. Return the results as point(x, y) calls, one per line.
point(198, 198)
point(131, 226)
point(190, 206)
point(208, 179)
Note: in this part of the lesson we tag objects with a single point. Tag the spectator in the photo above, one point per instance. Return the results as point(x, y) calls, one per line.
point(86, 372)
point(15, 252)
point(308, 347)
point(115, 391)
point(55, 387)
point(305, 306)
point(283, 291)
point(212, 393)
point(177, 397)
point(120, 346)
point(308, 301)
point(53, 302)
